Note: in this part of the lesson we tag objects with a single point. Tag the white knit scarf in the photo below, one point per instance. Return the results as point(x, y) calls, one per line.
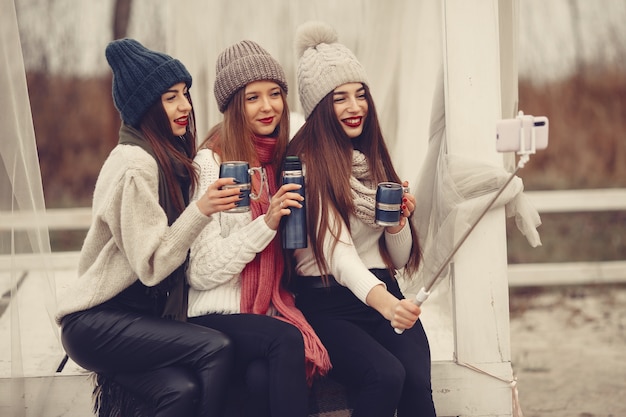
point(363, 190)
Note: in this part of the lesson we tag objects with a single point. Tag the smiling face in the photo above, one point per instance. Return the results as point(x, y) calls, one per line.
point(177, 107)
point(264, 106)
point(351, 108)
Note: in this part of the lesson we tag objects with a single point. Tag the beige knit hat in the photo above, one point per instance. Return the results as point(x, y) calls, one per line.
point(243, 63)
point(324, 64)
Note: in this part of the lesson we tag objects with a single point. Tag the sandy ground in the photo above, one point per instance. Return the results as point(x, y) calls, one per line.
point(568, 348)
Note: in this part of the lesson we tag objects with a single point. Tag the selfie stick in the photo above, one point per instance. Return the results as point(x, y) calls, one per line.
point(424, 292)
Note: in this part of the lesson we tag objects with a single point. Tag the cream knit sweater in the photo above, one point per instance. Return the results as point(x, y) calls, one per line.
point(129, 237)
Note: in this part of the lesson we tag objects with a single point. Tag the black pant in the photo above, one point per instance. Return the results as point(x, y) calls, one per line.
point(388, 371)
point(269, 358)
point(178, 368)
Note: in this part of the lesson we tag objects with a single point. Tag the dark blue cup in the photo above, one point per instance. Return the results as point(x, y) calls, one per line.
point(240, 171)
point(388, 203)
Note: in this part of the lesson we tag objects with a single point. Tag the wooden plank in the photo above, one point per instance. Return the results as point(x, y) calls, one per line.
point(567, 273)
point(33, 261)
point(519, 275)
point(564, 201)
point(55, 219)
point(553, 201)
point(473, 104)
point(457, 391)
point(49, 396)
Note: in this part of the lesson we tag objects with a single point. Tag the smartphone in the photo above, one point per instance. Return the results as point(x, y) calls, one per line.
point(509, 133)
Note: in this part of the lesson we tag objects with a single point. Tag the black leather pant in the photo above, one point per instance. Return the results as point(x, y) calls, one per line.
point(181, 369)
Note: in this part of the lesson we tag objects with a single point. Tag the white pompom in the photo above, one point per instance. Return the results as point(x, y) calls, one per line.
point(311, 34)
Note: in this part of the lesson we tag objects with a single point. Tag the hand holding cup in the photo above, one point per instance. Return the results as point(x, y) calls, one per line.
point(394, 203)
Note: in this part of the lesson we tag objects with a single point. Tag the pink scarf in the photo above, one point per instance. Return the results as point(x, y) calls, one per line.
point(261, 278)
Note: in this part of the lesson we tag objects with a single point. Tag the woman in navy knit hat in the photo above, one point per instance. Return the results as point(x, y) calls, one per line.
point(124, 318)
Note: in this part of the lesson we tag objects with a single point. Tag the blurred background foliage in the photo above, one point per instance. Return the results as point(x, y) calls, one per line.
point(76, 124)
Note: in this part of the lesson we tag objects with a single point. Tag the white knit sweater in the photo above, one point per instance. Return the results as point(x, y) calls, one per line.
point(232, 240)
point(222, 250)
point(129, 237)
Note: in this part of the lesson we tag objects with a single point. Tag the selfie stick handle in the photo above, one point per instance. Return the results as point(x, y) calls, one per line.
point(421, 296)
point(523, 152)
point(424, 292)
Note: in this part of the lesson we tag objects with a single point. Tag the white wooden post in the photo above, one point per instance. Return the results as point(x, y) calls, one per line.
point(473, 97)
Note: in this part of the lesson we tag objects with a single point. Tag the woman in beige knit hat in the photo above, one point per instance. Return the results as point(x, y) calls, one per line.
point(345, 279)
point(236, 263)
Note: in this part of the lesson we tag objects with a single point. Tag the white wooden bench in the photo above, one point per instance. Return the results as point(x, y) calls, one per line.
point(457, 390)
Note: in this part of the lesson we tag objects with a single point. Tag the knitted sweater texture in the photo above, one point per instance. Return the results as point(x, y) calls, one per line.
point(129, 237)
point(221, 252)
point(219, 275)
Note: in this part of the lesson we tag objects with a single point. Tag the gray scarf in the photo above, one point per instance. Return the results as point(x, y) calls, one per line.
point(174, 287)
point(363, 190)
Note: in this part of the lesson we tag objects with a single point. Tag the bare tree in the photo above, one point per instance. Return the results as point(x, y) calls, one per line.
point(579, 59)
point(121, 18)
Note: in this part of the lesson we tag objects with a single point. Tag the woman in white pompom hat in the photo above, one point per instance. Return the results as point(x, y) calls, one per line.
point(345, 279)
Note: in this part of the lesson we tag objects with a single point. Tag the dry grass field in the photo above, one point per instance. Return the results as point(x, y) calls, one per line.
point(587, 149)
point(587, 146)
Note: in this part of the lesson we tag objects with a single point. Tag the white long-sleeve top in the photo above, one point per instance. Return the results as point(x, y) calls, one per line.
point(355, 254)
point(222, 250)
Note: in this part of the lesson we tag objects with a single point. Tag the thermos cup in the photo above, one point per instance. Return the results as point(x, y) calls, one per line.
point(294, 234)
point(241, 172)
point(388, 203)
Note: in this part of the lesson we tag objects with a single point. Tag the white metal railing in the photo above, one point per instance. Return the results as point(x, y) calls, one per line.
point(535, 274)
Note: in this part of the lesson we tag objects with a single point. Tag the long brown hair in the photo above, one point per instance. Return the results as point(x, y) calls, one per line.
point(174, 153)
point(231, 138)
point(326, 150)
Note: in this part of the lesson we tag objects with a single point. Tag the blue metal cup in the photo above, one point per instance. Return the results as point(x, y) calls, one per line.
point(241, 172)
point(388, 203)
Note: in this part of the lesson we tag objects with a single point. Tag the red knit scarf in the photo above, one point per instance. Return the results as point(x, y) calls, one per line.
point(261, 278)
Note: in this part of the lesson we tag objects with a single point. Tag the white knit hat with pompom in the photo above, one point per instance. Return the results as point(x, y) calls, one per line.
point(323, 64)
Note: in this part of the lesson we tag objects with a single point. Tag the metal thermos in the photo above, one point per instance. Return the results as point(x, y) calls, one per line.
point(294, 225)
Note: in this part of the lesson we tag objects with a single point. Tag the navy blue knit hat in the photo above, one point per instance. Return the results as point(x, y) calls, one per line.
point(140, 77)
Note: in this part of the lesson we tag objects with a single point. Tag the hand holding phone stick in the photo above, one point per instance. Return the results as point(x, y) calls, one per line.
point(524, 153)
